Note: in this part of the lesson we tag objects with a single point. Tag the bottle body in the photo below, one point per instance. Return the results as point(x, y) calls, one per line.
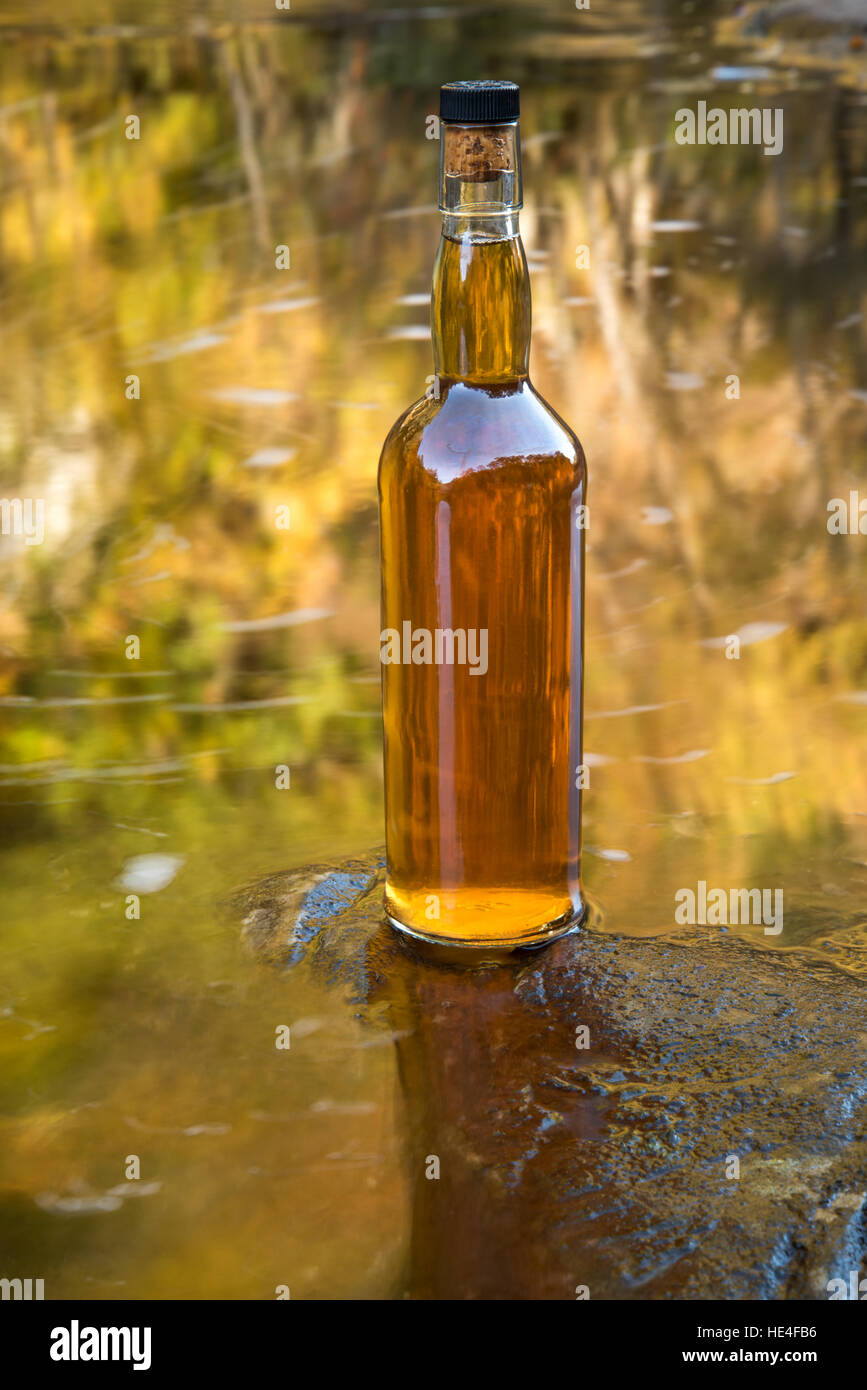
point(482, 494)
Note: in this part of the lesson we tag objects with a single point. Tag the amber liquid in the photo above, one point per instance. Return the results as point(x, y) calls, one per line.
point(479, 498)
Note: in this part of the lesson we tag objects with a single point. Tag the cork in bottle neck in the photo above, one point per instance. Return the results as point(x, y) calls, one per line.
point(480, 170)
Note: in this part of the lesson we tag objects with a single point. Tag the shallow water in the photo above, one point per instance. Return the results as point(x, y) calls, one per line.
point(265, 389)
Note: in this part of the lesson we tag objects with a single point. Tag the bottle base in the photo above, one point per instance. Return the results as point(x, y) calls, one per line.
point(490, 939)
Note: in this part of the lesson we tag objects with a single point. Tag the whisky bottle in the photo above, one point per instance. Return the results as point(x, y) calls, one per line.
point(482, 495)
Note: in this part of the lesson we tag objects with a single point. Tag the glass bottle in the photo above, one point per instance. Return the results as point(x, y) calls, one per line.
point(482, 492)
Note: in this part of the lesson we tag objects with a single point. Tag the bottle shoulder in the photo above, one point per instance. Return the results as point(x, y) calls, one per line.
point(411, 424)
point(471, 427)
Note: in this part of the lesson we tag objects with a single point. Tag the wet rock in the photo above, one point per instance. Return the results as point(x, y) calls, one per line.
point(607, 1165)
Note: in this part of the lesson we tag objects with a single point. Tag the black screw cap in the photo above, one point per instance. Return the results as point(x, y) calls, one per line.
point(479, 103)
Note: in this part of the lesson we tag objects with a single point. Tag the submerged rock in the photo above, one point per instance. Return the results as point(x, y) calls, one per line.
point(603, 1159)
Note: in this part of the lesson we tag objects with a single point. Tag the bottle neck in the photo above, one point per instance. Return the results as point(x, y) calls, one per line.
point(480, 305)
